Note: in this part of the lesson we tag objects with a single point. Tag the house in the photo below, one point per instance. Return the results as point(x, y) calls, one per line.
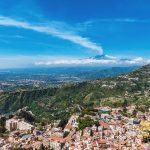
point(56, 142)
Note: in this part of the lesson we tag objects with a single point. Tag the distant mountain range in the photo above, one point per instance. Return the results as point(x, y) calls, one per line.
point(104, 73)
point(103, 57)
point(108, 57)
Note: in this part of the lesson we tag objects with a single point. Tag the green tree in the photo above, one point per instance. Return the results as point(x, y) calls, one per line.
point(124, 105)
point(42, 147)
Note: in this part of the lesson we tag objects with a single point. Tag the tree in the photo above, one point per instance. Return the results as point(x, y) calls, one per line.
point(42, 147)
point(2, 124)
point(85, 122)
point(18, 148)
point(124, 105)
point(134, 112)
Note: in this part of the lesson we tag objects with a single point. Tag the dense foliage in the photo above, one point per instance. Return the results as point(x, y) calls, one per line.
point(2, 125)
point(85, 122)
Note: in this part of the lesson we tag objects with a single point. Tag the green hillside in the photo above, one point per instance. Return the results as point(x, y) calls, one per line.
point(60, 103)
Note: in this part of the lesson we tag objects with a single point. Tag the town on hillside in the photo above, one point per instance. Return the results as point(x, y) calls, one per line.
point(102, 128)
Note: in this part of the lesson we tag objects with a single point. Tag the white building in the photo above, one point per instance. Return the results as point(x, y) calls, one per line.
point(17, 124)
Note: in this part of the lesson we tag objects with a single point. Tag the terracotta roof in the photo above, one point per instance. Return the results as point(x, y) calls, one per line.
point(68, 126)
point(104, 124)
point(68, 138)
point(58, 139)
point(85, 137)
point(115, 145)
point(94, 144)
point(102, 141)
point(112, 123)
point(36, 145)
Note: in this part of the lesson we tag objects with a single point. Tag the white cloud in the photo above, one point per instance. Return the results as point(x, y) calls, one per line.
point(76, 62)
point(110, 57)
point(53, 31)
point(42, 60)
point(130, 20)
point(138, 60)
point(110, 60)
point(119, 20)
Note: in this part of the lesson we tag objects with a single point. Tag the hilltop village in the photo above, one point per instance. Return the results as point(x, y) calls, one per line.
point(104, 128)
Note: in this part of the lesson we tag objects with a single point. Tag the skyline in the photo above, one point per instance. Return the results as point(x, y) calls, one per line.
point(35, 33)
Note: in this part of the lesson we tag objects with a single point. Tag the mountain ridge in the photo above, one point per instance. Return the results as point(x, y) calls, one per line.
point(58, 103)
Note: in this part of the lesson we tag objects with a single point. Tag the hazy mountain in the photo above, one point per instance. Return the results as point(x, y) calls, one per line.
point(29, 78)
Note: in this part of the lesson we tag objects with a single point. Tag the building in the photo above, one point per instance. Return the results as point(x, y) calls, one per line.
point(17, 124)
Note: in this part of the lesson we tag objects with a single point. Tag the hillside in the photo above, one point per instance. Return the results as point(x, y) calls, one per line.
point(104, 73)
point(58, 103)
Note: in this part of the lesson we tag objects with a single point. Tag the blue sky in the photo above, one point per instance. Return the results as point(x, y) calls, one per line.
point(47, 32)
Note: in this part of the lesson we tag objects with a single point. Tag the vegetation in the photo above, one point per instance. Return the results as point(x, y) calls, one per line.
point(85, 122)
point(60, 102)
point(2, 125)
point(27, 116)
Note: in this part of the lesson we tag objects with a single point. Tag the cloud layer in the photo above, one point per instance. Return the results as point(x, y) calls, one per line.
point(110, 60)
point(53, 31)
point(47, 61)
